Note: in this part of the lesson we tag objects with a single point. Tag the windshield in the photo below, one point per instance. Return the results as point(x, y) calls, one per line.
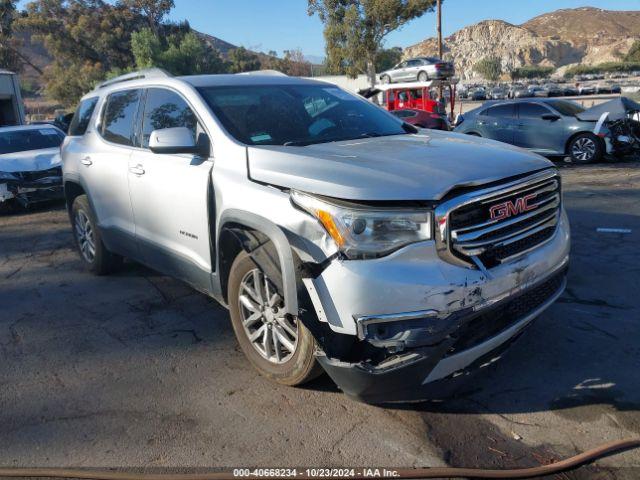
point(565, 107)
point(297, 115)
point(23, 140)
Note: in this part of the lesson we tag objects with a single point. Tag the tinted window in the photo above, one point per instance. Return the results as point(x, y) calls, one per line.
point(297, 114)
point(80, 120)
point(166, 109)
point(119, 117)
point(567, 108)
point(501, 111)
point(24, 140)
point(414, 63)
point(532, 110)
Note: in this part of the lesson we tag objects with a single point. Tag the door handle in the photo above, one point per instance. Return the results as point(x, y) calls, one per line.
point(137, 170)
point(86, 161)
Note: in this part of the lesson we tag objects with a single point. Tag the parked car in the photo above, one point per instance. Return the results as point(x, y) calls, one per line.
point(536, 91)
point(616, 89)
point(421, 69)
point(546, 126)
point(520, 92)
point(321, 224)
point(551, 90)
point(30, 165)
point(569, 91)
point(587, 90)
point(11, 106)
point(603, 88)
point(478, 94)
point(423, 119)
point(497, 93)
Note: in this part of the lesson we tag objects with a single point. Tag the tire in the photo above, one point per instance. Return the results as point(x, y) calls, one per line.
point(423, 77)
point(95, 256)
point(386, 79)
point(288, 365)
point(585, 148)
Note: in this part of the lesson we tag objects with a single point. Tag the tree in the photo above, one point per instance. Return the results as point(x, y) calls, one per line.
point(530, 71)
point(153, 10)
point(388, 58)
point(9, 58)
point(243, 60)
point(354, 30)
point(179, 53)
point(490, 68)
point(295, 64)
point(633, 55)
point(85, 38)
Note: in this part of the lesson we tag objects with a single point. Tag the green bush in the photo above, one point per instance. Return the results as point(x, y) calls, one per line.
point(531, 71)
point(606, 67)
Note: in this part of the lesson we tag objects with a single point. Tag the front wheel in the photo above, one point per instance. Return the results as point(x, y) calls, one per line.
point(386, 79)
point(279, 346)
point(585, 148)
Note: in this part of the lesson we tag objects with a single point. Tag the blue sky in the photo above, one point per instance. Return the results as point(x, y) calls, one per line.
point(284, 24)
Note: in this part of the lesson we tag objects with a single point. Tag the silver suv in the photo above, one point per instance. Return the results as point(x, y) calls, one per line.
point(419, 69)
point(397, 260)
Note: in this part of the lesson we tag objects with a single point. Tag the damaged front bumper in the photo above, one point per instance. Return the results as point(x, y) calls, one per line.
point(453, 320)
point(462, 345)
point(28, 188)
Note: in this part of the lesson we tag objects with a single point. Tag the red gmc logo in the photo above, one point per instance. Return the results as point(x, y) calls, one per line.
point(512, 208)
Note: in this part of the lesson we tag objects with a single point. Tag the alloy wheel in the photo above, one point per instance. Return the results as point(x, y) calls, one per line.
point(85, 237)
point(272, 334)
point(583, 149)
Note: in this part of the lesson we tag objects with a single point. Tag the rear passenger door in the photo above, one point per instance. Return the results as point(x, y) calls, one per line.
point(500, 122)
point(103, 168)
point(170, 194)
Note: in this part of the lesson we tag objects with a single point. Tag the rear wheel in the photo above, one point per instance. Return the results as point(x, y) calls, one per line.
point(385, 79)
point(585, 148)
point(423, 77)
point(95, 256)
point(278, 345)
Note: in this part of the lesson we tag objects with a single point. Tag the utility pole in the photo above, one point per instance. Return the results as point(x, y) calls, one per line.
point(439, 14)
point(440, 29)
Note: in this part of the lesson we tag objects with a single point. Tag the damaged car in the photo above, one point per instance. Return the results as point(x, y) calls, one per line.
point(341, 239)
point(30, 164)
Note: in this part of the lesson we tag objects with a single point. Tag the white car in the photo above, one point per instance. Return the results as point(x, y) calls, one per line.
point(30, 164)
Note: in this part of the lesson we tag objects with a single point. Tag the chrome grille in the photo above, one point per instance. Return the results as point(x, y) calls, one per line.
point(525, 215)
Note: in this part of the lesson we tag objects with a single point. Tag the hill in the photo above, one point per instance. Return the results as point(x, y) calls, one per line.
point(582, 35)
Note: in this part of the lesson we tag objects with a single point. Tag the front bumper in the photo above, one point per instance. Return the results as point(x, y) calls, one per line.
point(431, 345)
point(437, 371)
point(32, 189)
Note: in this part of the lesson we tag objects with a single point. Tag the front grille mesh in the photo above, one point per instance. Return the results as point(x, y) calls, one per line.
point(474, 234)
point(498, 319)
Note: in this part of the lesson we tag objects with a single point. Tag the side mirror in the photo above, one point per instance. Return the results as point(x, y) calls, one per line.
point(551, 116)
point(175, 140)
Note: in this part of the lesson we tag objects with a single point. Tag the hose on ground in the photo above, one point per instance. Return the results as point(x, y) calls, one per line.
point(437, 472)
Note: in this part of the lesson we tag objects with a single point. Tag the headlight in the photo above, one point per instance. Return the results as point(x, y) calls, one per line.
point(362, 232)
point(7, 176)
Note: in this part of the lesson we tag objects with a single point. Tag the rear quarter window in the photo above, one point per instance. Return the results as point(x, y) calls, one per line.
point(80, 120)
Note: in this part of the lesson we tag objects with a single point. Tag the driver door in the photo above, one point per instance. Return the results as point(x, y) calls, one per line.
point(170, 194)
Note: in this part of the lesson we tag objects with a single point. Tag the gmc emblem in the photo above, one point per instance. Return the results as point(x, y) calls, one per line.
point(512, 208)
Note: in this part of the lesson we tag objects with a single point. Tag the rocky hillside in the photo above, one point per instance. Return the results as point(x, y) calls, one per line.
point(583, 35)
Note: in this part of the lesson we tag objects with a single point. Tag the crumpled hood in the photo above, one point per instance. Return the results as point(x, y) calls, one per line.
point(424, 166)
point(30, 161)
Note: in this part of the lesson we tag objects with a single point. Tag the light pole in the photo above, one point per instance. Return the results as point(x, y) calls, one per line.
point(439, 14)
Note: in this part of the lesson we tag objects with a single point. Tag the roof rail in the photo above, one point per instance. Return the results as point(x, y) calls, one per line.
point(147, 73)
point(273, 73)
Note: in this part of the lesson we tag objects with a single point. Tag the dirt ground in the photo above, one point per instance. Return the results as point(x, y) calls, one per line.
point(137, 369)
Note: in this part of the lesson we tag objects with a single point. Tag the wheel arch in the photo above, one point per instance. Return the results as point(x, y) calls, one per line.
point(266, 244)
point(582, 132)
point(72, 190)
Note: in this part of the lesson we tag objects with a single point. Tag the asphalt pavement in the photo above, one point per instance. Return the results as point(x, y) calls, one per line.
point(137, 369)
